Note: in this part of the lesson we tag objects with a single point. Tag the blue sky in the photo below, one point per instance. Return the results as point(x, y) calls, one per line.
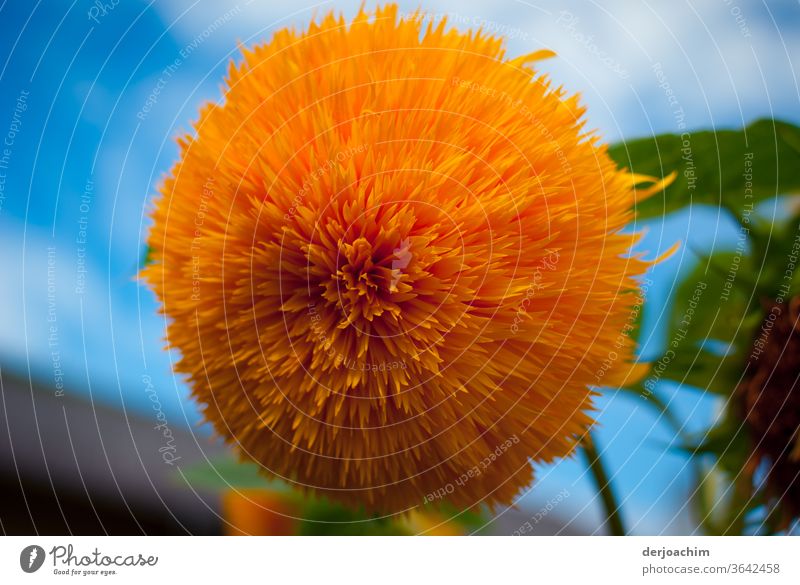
point(87, 152)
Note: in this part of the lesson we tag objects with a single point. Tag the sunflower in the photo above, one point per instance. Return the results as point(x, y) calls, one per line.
point(392, 261)
point(770, 401)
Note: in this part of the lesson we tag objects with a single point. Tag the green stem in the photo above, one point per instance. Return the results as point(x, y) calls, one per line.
point(603, 485)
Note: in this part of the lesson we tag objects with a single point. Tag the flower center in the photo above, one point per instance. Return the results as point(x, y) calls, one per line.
point(367, 278)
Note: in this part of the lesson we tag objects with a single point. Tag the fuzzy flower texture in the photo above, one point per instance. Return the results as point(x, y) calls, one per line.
point(393, 263)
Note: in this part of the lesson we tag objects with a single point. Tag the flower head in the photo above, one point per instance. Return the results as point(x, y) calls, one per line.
point(393, 264)
point(770, 400)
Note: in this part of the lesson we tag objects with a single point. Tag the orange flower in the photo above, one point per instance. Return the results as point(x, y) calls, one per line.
point(258, 512)
point(392, 262)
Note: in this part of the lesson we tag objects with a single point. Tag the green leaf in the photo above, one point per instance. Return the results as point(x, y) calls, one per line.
point(713, 303)
point(703, 370)
point(712, 166)
point(226, 472)
point(775, 263)
point(321, 517)
point(709, 498)
point(473, 521)
point(726, 441)
point(147, 257)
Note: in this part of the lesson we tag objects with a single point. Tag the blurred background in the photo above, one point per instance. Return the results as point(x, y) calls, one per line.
point(92, 96)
